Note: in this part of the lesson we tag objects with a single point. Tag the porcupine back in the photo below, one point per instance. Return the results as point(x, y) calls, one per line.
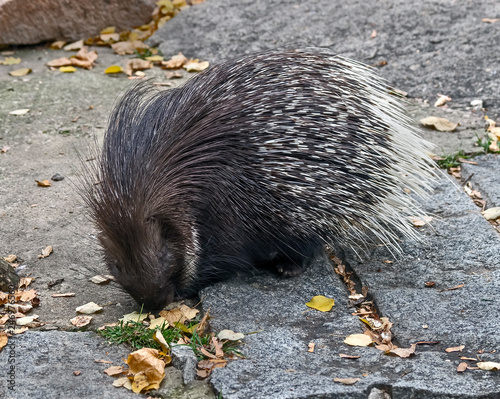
point(258, 159)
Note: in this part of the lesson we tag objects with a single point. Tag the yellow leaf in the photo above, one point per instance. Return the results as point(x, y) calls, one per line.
point(358, 340)
point(155, 58)
point(43, 183)
point(67, 69)
point(321, 303)
point(113, 69)
point(108, 30)
point(11, 61)
point(57, 45)
point(20, 72)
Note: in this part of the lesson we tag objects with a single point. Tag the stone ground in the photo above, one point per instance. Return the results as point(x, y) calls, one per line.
point(432, 47)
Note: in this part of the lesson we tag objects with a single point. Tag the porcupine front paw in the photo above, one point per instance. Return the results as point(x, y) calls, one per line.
point(289, 269)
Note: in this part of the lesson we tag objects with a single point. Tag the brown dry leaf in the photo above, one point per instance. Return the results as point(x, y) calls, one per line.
point(19, 308)
point(3, 339)
point(207, 353)
point(462, 367)
point(358, 340)
point(173, 316)
point(110, 37)
point(57, 45)
point(64, 295)
point(455, 349)
point(20, 72)
point(344, 356)
point(122, 382)
point(89, 308)
point(59, 62)
point(123, 48)
point(430, 284)
point(311, 346)
point(10, 258)
point(196, 66)
point(23, 321)
point(189, 313)
point(442, 100)
point(403, 352)
point(4, 149)
point(468, 358)
point(81, 321)
point(219, 353)
point(134, 316)
point(113, 371)
point(84, 58)
point(420, 221)
point(177, 61)
point(147, 368)
point(11, 61)
point(48, 249)
point(75, 46)
point(155, 58)
point(489, 366)
point(173, 75)
point(453, 288)
point(44, 183)
point(25, 282)
point(440, 124)
point(26, 296)
point(347, 381)
point(102, 279)
point(137, 64)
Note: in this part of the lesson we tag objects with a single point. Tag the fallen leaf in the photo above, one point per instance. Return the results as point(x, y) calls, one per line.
point(230, 335)
point(148, 370)
point(311, 346)
point(494, 366)
point(442, 100)
point(10, 258)
point(75, 46)
point(373, 34)
point(26, 296)
point(321, 303)
point(48, 249)
point(102, 279)
point(107, 30)
point(177, 61)
point(67, 69)
point(155, 58)
point(3, 339)
point(430, 284)
point(23, 111)
point(113, 371)
point(440, 124)
point(81, 321)
point(11, 61)
point(137, 64)
point(158, 322)
point(110, 37)
point(403, 352)
point(344, 356)
point(57, 45)
point(160, 339)
point(77, 373)
point(196, 66)
point(59, 62)
point(491, 213)
point(22, 321)
point(490, 20)
point(453, 288)
point(134, 316)
point(113, 69)
point(4, 149)
point(89, 308)
point(462, 367)
point(420, 221)
point(20, 72)
point(122, 382)
point(358, 340)
point(455, 349)
point(43, 183)
point(347, 381)
point(173, 75)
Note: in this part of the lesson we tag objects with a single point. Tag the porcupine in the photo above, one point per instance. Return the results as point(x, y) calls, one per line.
point(257, 161)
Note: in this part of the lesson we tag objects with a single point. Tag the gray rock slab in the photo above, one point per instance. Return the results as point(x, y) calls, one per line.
point(430, 47)
point(484, 177)
point(44, 363)
point(459, 248)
